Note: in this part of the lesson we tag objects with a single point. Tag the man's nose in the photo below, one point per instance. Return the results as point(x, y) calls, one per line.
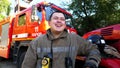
point(58, 20)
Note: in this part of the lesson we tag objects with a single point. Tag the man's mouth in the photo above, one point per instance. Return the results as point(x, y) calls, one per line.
point(58, 25)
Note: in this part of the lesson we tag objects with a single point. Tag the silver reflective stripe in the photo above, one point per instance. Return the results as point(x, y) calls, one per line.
point(56, 49)
point(38, 50)
point(60, 49)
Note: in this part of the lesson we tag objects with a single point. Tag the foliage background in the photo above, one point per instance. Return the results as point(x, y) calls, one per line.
point(92, 14)
point(4, 9)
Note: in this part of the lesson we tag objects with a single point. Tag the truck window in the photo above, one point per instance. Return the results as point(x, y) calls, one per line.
point(39, 14)
point(22, 20)
point(36, 14)
point(49, 11)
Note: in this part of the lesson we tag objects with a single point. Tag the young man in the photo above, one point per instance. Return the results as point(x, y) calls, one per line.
point(58, 48)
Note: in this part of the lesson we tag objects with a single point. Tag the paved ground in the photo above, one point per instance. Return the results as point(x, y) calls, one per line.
point(7, 64)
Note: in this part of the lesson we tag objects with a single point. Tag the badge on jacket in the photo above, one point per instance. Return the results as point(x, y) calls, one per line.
point(45, 62)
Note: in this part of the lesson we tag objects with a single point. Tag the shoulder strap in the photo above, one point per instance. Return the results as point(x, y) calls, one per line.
point(70, 37)
point(68, 60)
point(40, 48)
point(69, 44)
point(40, 53)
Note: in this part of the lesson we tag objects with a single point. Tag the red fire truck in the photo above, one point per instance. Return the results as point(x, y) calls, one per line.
point(111, 35)
point(18, 30)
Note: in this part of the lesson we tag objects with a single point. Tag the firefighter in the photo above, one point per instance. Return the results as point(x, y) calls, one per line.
point(58, 48)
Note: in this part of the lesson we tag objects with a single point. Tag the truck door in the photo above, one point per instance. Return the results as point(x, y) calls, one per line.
point(35, 17)
point(19, 30)
point(37, 24)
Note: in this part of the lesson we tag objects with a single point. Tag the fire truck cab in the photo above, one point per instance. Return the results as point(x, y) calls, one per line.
point(18, 30)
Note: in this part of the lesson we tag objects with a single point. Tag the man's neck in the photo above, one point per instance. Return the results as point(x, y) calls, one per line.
point(56, 34)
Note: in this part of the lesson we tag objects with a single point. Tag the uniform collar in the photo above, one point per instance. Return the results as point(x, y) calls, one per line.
point(51, 37)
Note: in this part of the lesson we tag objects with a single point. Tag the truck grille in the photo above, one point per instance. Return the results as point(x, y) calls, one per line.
point(107, 31)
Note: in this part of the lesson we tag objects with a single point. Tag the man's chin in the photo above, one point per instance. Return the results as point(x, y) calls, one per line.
point(59, 30)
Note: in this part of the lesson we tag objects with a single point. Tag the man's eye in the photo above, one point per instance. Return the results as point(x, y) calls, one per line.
point(55, 18)
point(63, 19)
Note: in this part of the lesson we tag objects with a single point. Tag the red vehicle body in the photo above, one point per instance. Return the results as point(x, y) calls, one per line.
point(111, 34)
point(17, 31)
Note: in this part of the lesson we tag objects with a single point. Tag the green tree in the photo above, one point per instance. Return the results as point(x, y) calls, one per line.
point(92, 14)
point(4, 8)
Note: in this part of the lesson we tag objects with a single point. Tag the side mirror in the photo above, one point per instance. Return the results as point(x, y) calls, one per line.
point(68, 23)
point(34, 16)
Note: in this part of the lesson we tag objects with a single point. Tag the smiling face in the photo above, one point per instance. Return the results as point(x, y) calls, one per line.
point(57, 22)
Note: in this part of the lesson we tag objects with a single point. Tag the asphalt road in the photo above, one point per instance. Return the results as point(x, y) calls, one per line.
point(6, 63)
